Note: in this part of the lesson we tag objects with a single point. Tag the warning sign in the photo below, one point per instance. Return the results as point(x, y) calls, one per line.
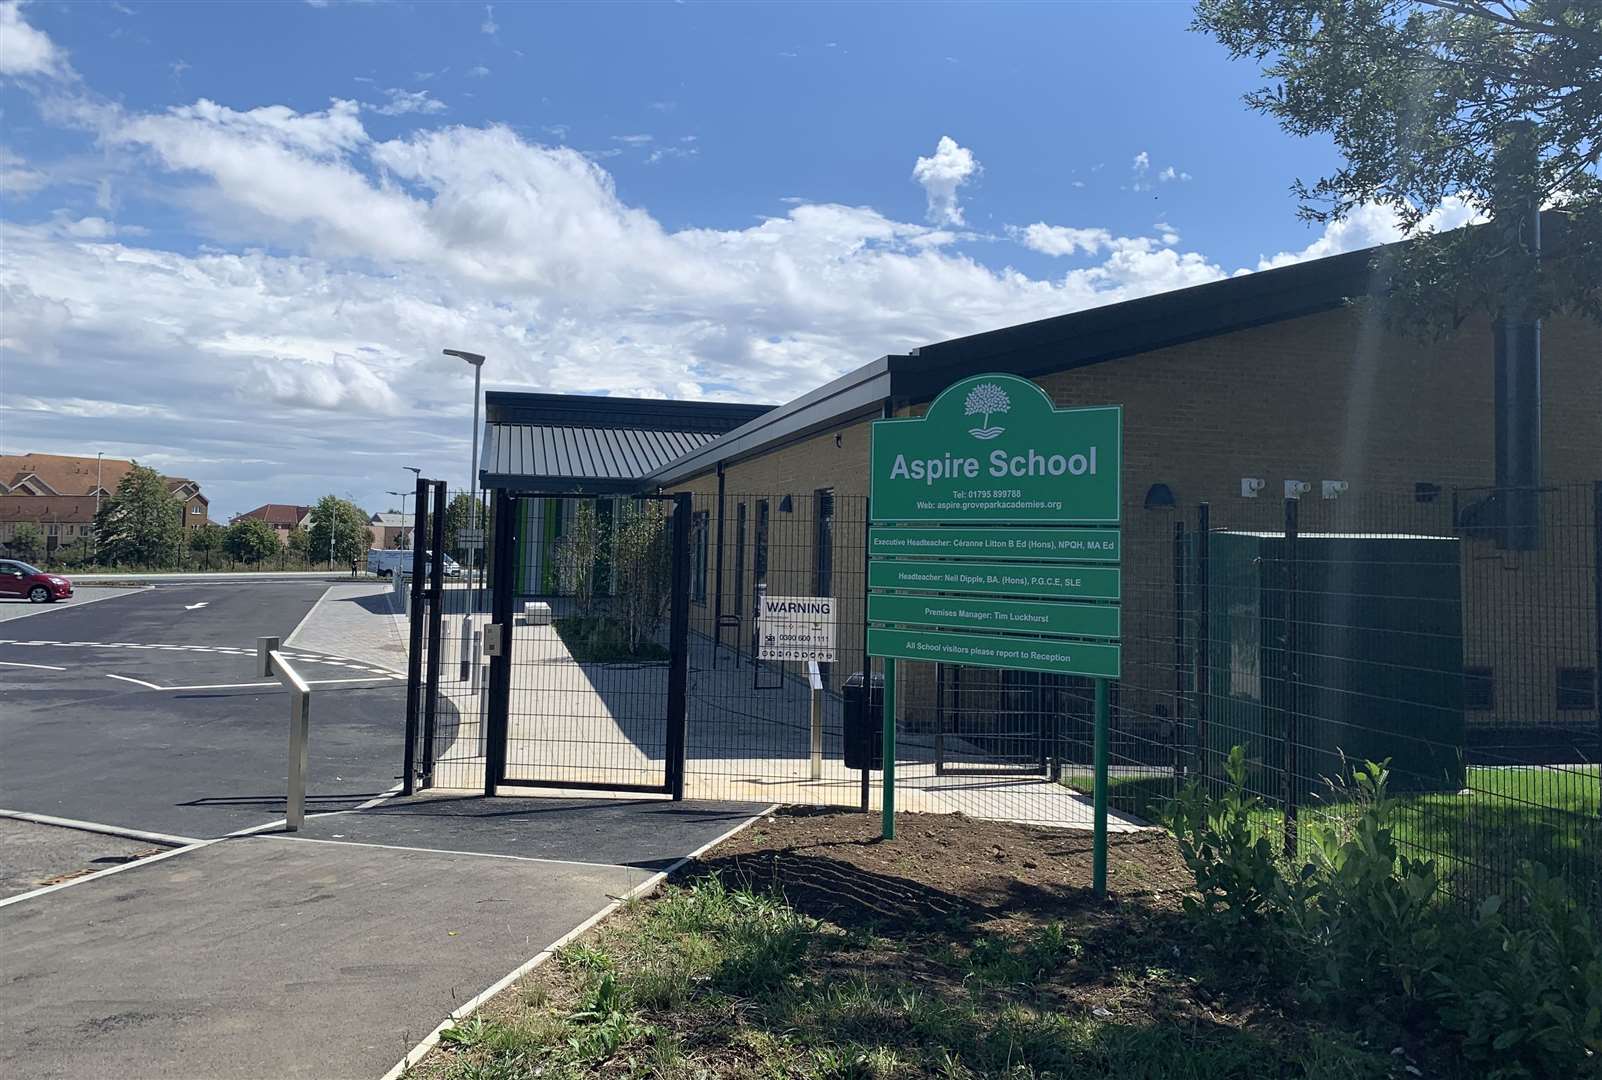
point(796, 628)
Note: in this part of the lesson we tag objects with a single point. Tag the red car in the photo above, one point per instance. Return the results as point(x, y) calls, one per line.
point(19, 579)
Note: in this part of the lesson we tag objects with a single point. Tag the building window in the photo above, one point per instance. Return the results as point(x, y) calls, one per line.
point(1576, 688)
point(759, 560)
point(52, 530)
point(739, 560)
point(823, 542)
point(1479, 688)
point(698, 534)
point(196, 509)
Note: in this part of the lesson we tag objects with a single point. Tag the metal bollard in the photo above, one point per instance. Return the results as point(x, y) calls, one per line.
point(270, 662)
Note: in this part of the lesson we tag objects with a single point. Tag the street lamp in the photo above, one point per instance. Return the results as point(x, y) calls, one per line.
point(402, 495)
point(477, 361)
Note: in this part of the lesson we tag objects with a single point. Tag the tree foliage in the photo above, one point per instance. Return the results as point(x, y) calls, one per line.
point(459, 514)
point(207, 540)
point(642, 559)
point(1497, 103)
point(251, 540)
point(141, 524)
point(348, 524)
point(27, 542)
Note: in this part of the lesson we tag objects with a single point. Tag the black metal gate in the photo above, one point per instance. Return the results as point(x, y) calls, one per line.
point(588, 642)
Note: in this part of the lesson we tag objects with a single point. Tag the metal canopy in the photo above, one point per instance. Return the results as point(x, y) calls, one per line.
point(583, 460)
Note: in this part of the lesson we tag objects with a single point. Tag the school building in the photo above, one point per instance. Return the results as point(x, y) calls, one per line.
point(1241, 394)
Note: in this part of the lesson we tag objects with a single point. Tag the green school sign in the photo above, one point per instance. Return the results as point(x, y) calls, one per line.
point(993, 448)
point(965, 566)
point(997, 542)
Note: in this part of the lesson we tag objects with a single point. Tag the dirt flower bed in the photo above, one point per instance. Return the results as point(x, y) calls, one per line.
point(806, 947)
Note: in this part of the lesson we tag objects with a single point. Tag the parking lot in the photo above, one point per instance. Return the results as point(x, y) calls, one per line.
point(139, 712)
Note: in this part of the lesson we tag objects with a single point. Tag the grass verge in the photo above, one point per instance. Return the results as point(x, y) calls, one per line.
point(961, 949)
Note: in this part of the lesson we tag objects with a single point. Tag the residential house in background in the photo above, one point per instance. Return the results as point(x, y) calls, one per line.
point(283, 517)
point(390, 530)
point(59, 493)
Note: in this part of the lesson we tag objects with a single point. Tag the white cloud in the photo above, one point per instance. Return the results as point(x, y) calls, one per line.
point(402, 102)
point(633, 140)
point(662, 153)
point(335, 265)
point(941, 175)
point(16, 177)
point(478, 72)
point(25, 50)
point(1062, 240)
point(1139, 171)
point(1170, 174)
point(1370, 225)
point(489, 25)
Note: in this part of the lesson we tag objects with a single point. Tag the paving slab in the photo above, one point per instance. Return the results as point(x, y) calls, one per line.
point(272, 957)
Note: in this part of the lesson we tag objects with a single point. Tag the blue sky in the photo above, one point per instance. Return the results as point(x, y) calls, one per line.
point(237, 236)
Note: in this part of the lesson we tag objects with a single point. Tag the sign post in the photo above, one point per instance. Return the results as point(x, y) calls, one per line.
point(994, 543)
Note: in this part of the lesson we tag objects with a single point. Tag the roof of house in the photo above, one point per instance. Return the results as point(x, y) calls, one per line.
point(582, 444)
point(287, 515)
point(391, 520)
point(47, 508)
point(68, 474)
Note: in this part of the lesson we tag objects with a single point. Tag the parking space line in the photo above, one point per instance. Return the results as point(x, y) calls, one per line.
point(137, 682)
point(41, 667)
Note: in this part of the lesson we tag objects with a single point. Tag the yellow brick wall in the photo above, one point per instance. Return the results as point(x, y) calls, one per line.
point(1330, 396)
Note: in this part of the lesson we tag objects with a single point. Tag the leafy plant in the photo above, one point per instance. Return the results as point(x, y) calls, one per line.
point(1237, 878)
point(1525, 992)
point(1368, 916)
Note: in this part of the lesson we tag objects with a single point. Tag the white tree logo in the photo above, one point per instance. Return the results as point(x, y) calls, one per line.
point(983, 400)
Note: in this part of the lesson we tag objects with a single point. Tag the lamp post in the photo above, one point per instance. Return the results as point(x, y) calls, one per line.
point(402, 495)
point(477, 361)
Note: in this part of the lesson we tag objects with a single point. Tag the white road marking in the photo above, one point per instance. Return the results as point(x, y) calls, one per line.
point(41, 667)
point(221, 650)
point(107, 872)
point(138, 682)
point(193, 607)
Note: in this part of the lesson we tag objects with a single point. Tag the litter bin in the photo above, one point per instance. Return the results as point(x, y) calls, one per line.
point(864, 721)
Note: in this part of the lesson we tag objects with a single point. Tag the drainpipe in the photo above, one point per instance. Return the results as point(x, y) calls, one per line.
point(1517, 337)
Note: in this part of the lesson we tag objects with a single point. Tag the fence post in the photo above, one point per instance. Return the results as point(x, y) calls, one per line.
point(1203, 636)
point(679, 645)
point(436, 611)
point(498, 693)
point(888, 765)
point(1098, 855)
point(1596, 613)
point(1181, 668)
point(414, 651)
point(1290, 663)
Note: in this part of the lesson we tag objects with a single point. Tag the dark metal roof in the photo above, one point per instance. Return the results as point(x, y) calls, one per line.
point(858, 393)
point(584, 444)
point(592, 411)
point(539, 457)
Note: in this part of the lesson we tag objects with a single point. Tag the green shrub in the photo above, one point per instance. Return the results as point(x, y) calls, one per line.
point(1369, 932)
point(1231, 858)
point(1525, 996)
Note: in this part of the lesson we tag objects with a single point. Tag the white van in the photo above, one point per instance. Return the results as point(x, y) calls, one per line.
point(386, 561)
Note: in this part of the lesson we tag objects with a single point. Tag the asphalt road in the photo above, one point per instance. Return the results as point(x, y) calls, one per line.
point(144, 711)
point(322, 954)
